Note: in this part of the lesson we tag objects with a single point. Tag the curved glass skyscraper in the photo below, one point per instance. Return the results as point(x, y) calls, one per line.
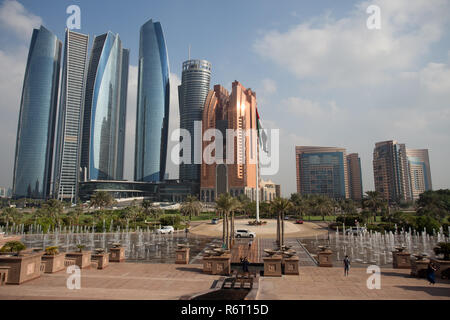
point(192, 92)
point(102, 145)
point(36, 128)
point(152, 115)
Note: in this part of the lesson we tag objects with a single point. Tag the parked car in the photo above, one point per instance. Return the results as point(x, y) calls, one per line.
point(214, 220)
point(245, 233)
point(286, 217)
point(355, 230)
point(299, 221)
point(165, 229)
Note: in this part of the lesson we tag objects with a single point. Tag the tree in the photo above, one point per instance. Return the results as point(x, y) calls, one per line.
point(53, 209)
point(225, 205)
point(191, 207)
point(322, 205)
point(10, 215)
point(280, 206)
point(133, 213)
point(435, 204)
point(373, 202)
point(101, 199)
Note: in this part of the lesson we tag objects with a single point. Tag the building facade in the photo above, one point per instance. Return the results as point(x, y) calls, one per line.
point(391, 172)
point(192, 92)
point(103, 133)
point(38, 108)
point(68, 144)
point(234, 168)
point(354, 177)
point(419, 171)
point(152, 116)
point(322, 171)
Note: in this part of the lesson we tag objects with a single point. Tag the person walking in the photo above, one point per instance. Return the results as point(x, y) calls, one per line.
point(430, 273)
point(346, 265)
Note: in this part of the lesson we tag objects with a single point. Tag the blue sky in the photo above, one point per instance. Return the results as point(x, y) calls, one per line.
point(319, 74)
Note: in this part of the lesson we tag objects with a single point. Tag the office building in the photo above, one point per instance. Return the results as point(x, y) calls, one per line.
point(419, 171)
point(192, 92)
point(152, 115)
point(322, 171)
point(102, 148)
point(391, 172)
point(68, 144)
point(354, 177)
point(36, 127)
point(234, 173)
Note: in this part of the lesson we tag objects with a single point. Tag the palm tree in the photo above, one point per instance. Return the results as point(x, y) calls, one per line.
point(373, 202)
point(322, 205)
point(280, 206)
point(54, 208)
point(225, 205)
point(101, 199)
point(191, 207)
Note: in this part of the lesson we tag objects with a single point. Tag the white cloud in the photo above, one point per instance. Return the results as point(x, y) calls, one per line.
point(436, 78)
point(14, 17)
point(269, 86)
point(308, 108)
point(344, 52)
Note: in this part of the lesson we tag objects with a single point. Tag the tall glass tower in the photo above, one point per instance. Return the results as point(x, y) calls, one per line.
point(104, 110)
point(152, 116)
point(36, 127)
point(67, 159)
point(192, 92)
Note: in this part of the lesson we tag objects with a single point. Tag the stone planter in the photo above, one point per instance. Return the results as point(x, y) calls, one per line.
point(102, 260)
point(207, 265)
point(272, 266)
point(324, 258)
point(117, 254)
point(182, 256)
point(443, 267)
point(221, 265)
point(419, 267)
point(401, 260)
point(3, 275)
point(83, 258)
point(22, 268)
point(291, 265)
point(53, 263)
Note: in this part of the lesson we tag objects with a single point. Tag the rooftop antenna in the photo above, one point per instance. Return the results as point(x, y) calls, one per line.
point(189, 56)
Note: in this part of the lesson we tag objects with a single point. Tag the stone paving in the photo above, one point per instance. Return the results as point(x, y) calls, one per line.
point(316, 283)
point(170, 281)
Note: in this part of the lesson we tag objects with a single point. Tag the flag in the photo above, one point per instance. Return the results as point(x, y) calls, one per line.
point(262, 137)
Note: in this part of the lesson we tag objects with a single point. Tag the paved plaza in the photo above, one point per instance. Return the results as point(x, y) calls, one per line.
point(170, 281)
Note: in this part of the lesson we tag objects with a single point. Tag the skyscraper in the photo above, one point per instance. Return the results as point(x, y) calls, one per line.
point(390, 170)
point(152, 115)
point(36, 127)
point(104, 110)
point(354, 177)
point(322, 171)
point(419, 171)
point(236, 111)
point(192, 92)
point(68, 145)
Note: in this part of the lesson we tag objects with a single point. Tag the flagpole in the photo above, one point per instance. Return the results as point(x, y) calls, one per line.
point(257, 181)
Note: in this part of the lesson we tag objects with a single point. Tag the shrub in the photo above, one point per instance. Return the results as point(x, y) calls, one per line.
point(444, 249)
point(51, 251)
point(170, 220)
point(428, 223)
point(349, 221)
point(13, 246)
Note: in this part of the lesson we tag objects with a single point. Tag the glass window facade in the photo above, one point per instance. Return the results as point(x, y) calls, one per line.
point(152, 116)
point(36, 127)
point(103, 109)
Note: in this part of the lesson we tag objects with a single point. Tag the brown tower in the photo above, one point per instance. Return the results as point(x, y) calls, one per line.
point(234, 168)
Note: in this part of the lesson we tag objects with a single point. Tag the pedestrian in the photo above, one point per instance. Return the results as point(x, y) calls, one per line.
point(346, 265)
point(250, 244)
point(245, 264)
point(430, 273)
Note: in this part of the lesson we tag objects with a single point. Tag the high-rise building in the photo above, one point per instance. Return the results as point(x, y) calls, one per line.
point(354, 177)
point(192, 92)
point(231, 172)
point(391, 172)
point(152, 116)
point(322, 171)
point(36, 127)
point(102, 147)
point(419, 171)
point(68, 145)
